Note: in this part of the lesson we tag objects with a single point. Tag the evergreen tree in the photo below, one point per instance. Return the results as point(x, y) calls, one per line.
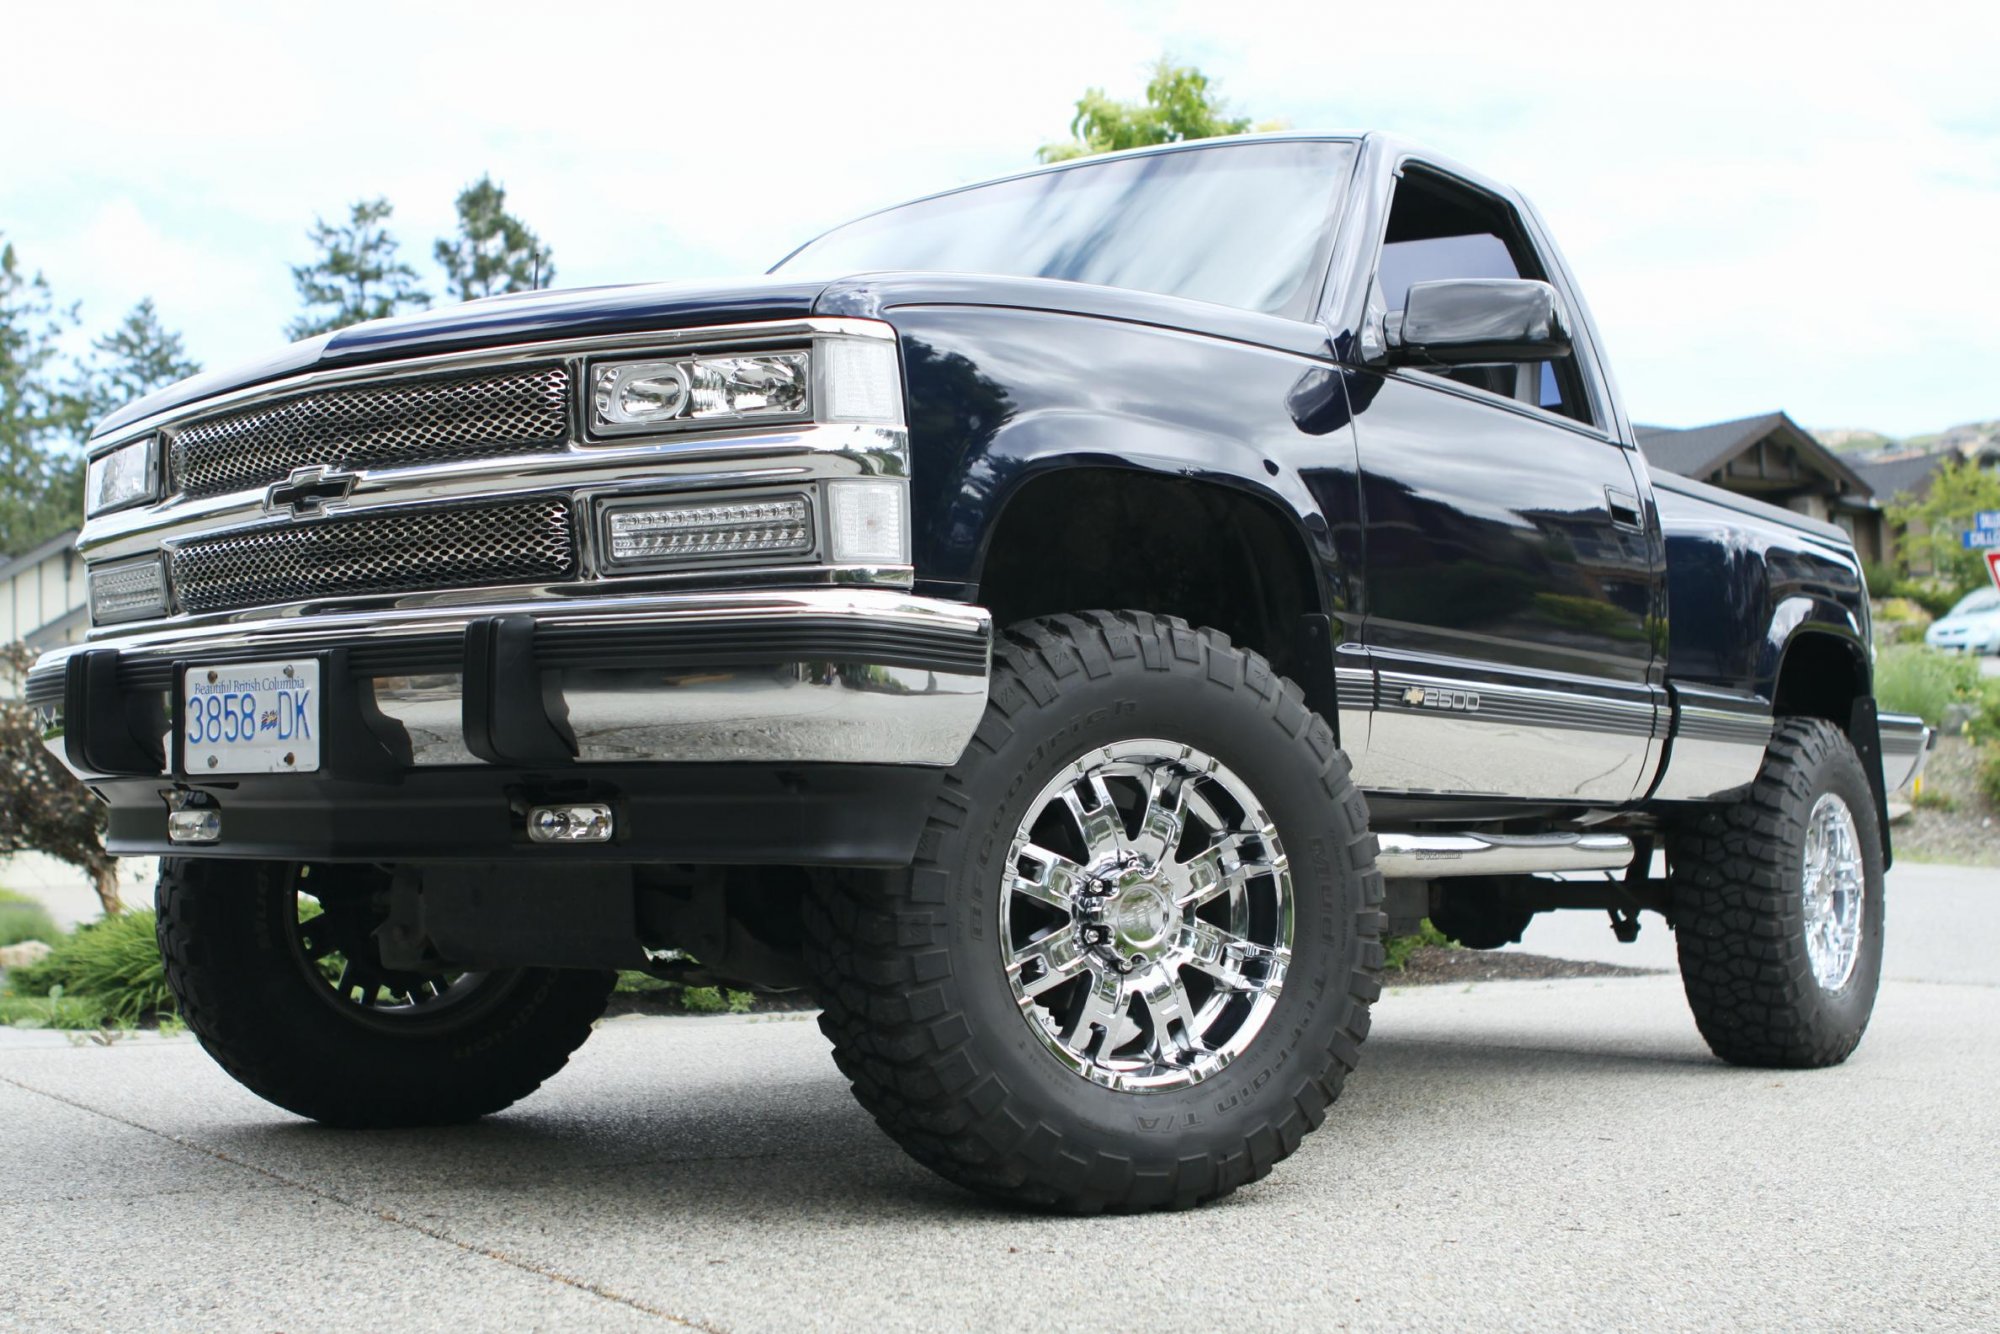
point(357, 275)
point(131, 361)
point(494, 251)
point(41, 474)
point(1180, 105)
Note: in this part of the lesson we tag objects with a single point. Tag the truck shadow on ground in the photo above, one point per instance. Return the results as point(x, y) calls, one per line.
point(764, 1142)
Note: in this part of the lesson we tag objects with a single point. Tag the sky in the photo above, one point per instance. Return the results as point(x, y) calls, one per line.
point(1767, 205)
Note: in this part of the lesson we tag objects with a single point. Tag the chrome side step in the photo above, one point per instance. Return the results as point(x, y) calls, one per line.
point(1430, 856)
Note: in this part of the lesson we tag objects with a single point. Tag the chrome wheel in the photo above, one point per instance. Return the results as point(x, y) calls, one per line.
point(1146, 923)
point(1835, 888)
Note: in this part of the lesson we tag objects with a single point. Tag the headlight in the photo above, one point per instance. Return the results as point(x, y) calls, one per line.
point(691, 391)
point(128, 592)
point(128, 475)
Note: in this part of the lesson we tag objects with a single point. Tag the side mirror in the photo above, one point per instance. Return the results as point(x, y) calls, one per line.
point(1478, 321)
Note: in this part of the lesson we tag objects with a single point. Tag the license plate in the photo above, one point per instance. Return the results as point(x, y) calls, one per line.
point(251, 718)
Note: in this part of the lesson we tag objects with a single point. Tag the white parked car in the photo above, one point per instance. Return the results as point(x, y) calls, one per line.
point(1973, 626)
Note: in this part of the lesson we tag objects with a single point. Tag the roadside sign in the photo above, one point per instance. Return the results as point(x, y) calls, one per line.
point(1978, 539)
point(1993, 566)
point(1987, 521)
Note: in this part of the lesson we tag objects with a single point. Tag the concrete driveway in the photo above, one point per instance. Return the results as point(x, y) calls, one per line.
point(1512, 1156)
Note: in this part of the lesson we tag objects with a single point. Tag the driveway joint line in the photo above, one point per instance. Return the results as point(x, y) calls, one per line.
point(382, 1215)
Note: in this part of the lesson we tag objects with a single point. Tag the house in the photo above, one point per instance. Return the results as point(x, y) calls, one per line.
point(1909, 475)
point(43, 596)
point(1773, 459)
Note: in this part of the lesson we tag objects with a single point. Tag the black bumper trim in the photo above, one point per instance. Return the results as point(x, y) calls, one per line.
point(805, 815)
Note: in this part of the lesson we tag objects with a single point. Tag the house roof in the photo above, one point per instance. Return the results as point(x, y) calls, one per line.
point(1891, 477)
point(12, 565)
point(1700, 451)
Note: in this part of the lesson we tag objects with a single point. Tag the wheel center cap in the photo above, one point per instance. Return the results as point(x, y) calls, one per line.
point(1141, 917)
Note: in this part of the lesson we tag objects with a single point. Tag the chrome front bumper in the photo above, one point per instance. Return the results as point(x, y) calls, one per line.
point(835, 675)
point(1906, 748)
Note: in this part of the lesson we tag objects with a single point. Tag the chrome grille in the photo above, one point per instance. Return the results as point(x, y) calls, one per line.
point(403, 552)
point(392, 424)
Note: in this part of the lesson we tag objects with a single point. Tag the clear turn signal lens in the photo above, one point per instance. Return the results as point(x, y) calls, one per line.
point(868, 522)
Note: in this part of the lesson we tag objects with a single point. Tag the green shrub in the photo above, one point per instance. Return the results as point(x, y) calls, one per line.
point(55, 1011)
point(1935, 596)
point(115, 963)
point(1396, 950)
point(680, 996)
point(23, 918)
point(1910, 678)
point(1989, 773)
point(1880, 577)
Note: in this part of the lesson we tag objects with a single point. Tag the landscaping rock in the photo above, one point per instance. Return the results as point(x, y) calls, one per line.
point(21, 955)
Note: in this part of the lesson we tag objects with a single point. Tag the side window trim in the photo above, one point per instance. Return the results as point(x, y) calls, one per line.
point(1596, 400)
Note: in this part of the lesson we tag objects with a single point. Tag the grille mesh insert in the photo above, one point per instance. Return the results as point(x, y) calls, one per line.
point(393, 424)
point(408, 552)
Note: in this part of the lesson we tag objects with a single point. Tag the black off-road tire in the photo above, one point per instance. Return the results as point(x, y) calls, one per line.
point(227, 932)
point(917, 1004)
point(1739, 909)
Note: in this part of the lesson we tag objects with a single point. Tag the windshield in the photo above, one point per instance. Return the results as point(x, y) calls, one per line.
point(1239, 224)
point(1986, 599)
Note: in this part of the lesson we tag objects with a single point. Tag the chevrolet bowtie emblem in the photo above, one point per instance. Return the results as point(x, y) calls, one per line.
point(1413, 696)
point(308, 491)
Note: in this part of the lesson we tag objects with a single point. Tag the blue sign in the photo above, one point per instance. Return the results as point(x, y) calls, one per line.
point(1981, 537)
point(1986, 521)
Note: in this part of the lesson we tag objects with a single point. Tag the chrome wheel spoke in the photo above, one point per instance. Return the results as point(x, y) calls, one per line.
point(1047, 963)
point(1172, 1013)
point(1236, 964)
point(1096, 815)
point(1102, 1018)
point(1160, 821)
point(1054, 879)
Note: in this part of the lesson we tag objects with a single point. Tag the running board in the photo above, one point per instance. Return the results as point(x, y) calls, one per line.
point(1431, 856)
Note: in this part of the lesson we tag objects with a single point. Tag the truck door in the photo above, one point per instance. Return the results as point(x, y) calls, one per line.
point(1509, 578)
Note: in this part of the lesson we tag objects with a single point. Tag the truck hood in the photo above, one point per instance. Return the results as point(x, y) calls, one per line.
point(586, 311)
point(497, 321)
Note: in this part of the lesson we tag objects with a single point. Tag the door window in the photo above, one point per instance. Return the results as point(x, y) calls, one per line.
point(1438, 229)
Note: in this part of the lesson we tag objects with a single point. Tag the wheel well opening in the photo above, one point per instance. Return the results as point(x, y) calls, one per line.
point(1821, 677)
point(1084, 538)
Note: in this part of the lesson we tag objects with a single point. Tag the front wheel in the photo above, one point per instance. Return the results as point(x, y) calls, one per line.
point(1777, 903)
point(1133, 962)
point(276, 971)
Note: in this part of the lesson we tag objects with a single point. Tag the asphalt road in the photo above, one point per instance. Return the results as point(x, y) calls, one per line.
point(1512, 1156)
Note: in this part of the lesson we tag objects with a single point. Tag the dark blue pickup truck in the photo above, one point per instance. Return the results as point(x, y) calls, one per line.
point(1061, 623)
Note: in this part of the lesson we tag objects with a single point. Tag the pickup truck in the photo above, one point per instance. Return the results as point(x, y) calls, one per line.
point(1061, 624)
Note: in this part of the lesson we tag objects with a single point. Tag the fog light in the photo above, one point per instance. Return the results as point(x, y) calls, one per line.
point(589, 822)
point(643, 534)
point(200, 825)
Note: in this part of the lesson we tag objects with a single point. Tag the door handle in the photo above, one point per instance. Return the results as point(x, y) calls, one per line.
point(1624, 508)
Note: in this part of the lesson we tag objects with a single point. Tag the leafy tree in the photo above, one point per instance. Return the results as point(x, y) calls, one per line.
point(1934, 524)
point(42, 806)
point(131, 361)
point(357, 275)
point(1180, 104)
point(41, 477)
point(494, 251)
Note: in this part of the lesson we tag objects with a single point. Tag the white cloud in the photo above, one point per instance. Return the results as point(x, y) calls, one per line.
point(1778, 205)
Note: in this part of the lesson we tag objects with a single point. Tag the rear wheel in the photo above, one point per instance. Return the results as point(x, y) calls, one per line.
point(1132, 964)
point(1778, 910)
point(276, 971)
